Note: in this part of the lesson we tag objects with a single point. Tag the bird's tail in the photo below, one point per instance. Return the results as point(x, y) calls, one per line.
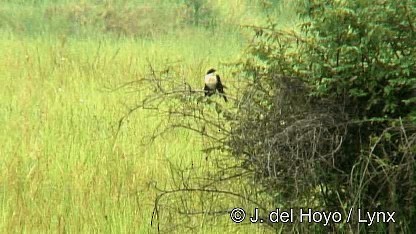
point(225, 97)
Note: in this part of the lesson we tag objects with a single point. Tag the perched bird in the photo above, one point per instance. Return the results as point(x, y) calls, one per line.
point(213, 83)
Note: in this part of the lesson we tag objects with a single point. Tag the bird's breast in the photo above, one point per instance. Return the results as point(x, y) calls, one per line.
point(211, 81)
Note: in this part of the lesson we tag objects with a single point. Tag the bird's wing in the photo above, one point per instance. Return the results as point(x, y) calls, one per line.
point(220, 87)
point(219, 83)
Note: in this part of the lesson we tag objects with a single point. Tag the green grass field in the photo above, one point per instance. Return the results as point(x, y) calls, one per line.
point(61, 167)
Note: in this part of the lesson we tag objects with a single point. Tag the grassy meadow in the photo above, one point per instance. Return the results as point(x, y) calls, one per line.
point(62, 168)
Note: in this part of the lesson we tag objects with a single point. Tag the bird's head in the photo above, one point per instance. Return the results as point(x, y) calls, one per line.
point(210, 71)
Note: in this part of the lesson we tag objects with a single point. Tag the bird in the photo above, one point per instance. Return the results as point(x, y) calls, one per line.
point(213, 83)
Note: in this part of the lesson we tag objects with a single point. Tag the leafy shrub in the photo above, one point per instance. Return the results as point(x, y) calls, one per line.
point(327, 120)
point(364, 50)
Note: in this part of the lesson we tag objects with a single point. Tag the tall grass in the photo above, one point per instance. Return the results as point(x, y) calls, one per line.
point(61, 167)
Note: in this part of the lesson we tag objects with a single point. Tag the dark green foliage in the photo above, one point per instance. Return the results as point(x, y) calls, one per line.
point(328, 120)
point(363, 50)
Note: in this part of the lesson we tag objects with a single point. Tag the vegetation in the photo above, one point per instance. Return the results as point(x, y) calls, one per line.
point(329, 120)
point(324, 119)
point(64, 167)
point(105, 127)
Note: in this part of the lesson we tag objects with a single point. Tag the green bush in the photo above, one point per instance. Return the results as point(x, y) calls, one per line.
point(327, 120)
point(363, 50)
